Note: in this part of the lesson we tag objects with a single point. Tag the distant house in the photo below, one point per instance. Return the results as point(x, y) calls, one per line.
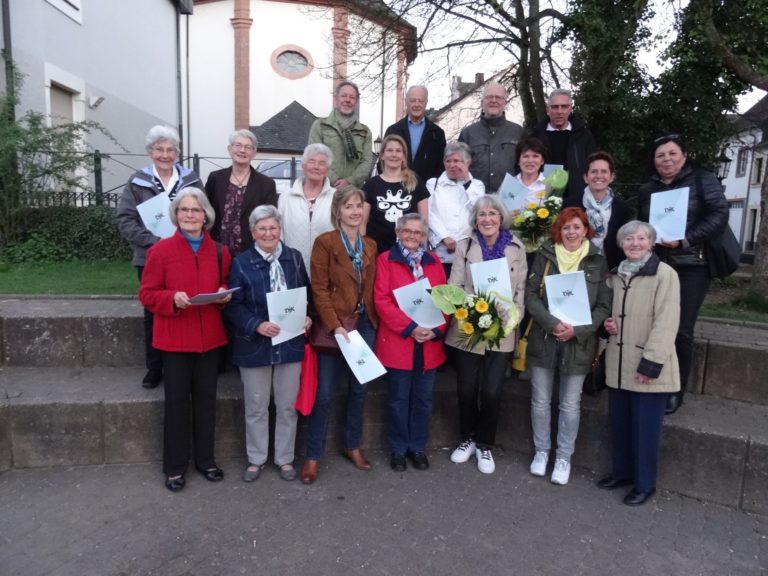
point(251, 59)
point(743, 167)
point(111, 61)
point(465, 105)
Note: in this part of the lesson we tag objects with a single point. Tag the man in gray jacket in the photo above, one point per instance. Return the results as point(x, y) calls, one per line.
point(492, 139)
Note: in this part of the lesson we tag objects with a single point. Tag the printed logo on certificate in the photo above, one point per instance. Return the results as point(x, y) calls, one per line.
point(512, 193)
point(287, 309)
point(568, 299)
point(492, 276)
point(669, 214)
point(416, 303)
point(155, 215)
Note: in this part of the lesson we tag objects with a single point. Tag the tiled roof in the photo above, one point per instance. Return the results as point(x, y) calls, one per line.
point(287, 131)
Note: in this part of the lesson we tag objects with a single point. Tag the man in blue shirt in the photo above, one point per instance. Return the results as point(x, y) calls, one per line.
point(425, 139)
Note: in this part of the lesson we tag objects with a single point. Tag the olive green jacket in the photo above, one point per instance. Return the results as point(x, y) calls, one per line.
point(356, 171)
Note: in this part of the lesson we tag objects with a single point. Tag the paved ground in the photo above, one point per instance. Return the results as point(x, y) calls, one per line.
point(120, 520)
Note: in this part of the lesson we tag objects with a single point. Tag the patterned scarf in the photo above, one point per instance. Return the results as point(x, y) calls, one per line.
point(346, 123)
point(356, 254)
point(627, 269)
point(276, 274)
point(598, 211)
point(497, 250)
point(414, 259)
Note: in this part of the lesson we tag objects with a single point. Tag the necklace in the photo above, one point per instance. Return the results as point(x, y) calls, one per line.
point(241, 182)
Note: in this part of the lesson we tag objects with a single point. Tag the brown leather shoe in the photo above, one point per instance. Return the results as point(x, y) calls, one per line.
point(357, 458)
point(309, 471)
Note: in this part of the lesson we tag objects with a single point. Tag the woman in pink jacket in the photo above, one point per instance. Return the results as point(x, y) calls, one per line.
point(411, 353)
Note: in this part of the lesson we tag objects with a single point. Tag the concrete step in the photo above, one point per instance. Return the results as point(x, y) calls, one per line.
point(731, 357)
point(713, 449)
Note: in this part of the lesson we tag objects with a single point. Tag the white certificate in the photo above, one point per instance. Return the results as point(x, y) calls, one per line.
point(669, 214)
point(155, 215)
point(568, 298)
point(512, 193)
point(360, 358)
point(414, 300)
point(492, 276)
point(287, 309)
point(549, 168)
point(209, 297)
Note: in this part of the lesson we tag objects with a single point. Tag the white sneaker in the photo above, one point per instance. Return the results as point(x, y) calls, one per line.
point(562, 472)
point(539, 463)
point(463, 452)
point(485, 460)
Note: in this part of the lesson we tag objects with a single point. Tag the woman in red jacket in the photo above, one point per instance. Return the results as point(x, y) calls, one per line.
point(410, 352)
point(188, 335)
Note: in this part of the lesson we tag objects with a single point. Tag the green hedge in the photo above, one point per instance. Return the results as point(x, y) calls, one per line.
point(66, 233)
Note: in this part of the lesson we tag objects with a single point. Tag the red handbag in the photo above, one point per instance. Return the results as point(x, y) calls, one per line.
point(305, 399)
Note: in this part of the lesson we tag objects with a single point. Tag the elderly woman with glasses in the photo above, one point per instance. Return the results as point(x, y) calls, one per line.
point(235, 191)
point(641, 364)
point(480, 371)
point(190, 335)
point(306, 207)
point(265, 368)
point(164, 175)
point(410, 352)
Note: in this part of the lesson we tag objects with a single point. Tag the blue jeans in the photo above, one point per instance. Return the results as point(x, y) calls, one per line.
point(330, 369)
point(542, 382)
point(409, 403)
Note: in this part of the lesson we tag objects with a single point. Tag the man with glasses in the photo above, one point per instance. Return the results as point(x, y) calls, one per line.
point(348, 138)
point(425, 139)
point(568, 140)
point(492, 139)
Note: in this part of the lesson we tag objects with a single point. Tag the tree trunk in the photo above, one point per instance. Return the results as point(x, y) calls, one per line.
point(760, 271)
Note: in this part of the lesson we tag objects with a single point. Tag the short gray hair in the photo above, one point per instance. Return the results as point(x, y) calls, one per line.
point(488, 201)
point(244, 133)
point(262, 213)
point(343, 83)
point(314, 150)
point(560, 92)
point(633, 227)
point(417, 86)
point(159, 133)
point(459, 148)
point(490, 85)
point(202, 199)
point(413, 216)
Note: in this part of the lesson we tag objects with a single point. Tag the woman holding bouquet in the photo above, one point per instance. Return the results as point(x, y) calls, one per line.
point(554, 345)
point(481, 370)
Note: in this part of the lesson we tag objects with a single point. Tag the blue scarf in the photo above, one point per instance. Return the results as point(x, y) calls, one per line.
point(356, 254)
point(414, 259)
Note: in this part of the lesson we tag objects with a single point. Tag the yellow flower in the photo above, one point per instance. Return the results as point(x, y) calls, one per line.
point(468, 328)
point(541, 194)
point(481, 306)
point(519, 220)
point(461, 314)
point(533, 205)
point(542, 213)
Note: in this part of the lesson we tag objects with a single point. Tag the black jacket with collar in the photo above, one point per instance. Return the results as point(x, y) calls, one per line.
point(428, 161)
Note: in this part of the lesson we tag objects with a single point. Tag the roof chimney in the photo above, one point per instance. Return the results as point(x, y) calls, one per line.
point(479, 78)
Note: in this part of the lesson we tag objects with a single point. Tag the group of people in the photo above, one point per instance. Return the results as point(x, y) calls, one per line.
point(351, 240)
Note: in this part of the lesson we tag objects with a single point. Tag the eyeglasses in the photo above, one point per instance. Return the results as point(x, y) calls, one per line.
point(267, 230)
point(246, 147)
point(489, 214)
point(164, 151)
point(195, 211)
point(667, 138)
point(494, 97)
point(409, 232)
point(314, 162)
point(560, 106)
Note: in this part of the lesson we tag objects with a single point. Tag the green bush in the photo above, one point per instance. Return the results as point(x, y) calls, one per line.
point(66, 233)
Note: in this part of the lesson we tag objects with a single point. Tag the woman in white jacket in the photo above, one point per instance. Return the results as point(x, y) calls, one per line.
point(306, 208)
point(451, 199)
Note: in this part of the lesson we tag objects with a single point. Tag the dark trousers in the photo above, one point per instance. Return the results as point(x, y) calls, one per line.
point(190, 381)
point(409, 403)
point(480, 381)
point(694, 284)
point(636, 421)
point(152, 356)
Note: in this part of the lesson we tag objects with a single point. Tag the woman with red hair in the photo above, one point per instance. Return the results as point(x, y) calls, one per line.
point(555, 345)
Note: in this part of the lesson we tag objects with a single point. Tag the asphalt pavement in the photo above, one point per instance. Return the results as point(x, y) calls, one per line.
point(120, 520)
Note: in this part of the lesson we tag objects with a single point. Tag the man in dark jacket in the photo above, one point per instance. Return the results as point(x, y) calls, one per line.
point(492, 139)
point(425, 139)
point(568, 141)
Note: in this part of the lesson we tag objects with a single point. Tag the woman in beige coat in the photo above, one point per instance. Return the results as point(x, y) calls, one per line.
point(641, 364)
point(480, 372)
